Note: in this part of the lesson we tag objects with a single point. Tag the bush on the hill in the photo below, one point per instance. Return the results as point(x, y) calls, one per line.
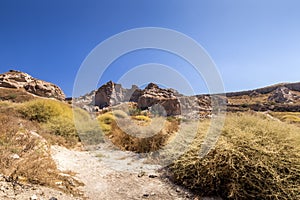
point(254, 158)
point(56, 117)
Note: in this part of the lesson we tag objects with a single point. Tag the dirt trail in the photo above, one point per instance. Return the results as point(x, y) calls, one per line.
point(112, 174)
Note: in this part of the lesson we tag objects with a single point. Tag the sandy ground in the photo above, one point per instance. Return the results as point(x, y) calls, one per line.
point(112, 174)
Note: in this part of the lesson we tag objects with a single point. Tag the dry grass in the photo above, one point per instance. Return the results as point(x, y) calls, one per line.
point(246, 99)
point(56, 118)
point(254, 158)
point(15, 95)
point(290, 117)
point(25, 156)
point(128, 133)
point(25, 147)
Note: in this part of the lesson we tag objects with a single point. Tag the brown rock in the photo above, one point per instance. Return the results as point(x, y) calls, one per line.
point(17, 79)
point(153, 95)
point(111, 94)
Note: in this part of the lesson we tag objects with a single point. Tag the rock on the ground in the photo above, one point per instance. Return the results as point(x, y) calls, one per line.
point(17, 79)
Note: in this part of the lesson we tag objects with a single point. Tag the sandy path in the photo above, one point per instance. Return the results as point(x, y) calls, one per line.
point(105, 177)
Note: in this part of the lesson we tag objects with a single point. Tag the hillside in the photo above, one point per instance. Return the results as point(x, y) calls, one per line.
point(118, 143)
point(284, 97)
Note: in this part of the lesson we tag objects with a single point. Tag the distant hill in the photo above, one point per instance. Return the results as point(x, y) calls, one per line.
point(18, 86)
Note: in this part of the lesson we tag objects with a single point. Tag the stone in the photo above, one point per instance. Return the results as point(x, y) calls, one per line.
point(33, 197)
point(152, 176)
point(15, 156)
point(21, 80)
point(146, 195)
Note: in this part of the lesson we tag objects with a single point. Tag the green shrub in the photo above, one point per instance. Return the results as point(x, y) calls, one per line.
point(55, 116)
point(254, 158)
point(42, 110)
point(105, 120)
point(134, 111)
point(142, 118)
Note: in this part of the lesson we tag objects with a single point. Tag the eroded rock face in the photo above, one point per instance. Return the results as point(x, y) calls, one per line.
point(111, 94)
point(166, 101)
point(283, 95)
point(153, 95)
point(17, 79)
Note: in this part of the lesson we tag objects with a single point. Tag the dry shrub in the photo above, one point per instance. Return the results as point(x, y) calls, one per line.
point(290, 117)
point(87, 127)
point(55, 117)
point(25, 156)
point(127, 135)
point(254, 158)
point(105, 121)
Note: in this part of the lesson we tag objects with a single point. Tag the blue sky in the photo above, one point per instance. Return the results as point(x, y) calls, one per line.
point(253, 43)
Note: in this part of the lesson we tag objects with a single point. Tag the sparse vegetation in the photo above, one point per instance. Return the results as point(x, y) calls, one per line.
point(254, 158)
point(25, 155)
point(128, 135)
point(105, 121)
point(56, 117)
point(14, 95)
point(290, 117)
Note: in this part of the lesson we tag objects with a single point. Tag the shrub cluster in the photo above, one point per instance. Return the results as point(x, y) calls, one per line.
point(128, 133)
point(56, 117)
point(254, 158)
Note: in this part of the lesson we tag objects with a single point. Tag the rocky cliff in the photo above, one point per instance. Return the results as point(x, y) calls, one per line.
point(111, 94)
point(152, 97)
point(21, 80)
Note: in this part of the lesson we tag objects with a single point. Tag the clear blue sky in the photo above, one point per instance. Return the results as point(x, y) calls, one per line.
point(253, 43)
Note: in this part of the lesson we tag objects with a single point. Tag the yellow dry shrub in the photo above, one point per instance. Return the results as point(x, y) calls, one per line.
point(254, 158)
point(55, 116)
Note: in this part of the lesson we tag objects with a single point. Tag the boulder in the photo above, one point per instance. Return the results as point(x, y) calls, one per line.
point(17, 79)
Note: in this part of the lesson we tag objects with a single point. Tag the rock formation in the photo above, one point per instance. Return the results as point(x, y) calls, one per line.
point(18, 80)
point(283, 95)
point(153, 95)
point(111, 94)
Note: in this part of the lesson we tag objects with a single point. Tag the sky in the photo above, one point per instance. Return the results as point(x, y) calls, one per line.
point(252, 43)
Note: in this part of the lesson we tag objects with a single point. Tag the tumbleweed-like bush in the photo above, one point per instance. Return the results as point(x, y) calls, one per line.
point(254, 158)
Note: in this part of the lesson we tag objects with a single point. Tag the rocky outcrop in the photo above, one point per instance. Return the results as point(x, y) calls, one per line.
point(111, 94)
point(17, 79)
point(154, 98)
point(153, 95)
point(283, 95)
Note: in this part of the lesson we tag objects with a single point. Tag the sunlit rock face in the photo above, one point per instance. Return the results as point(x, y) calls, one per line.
point(17, 79)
